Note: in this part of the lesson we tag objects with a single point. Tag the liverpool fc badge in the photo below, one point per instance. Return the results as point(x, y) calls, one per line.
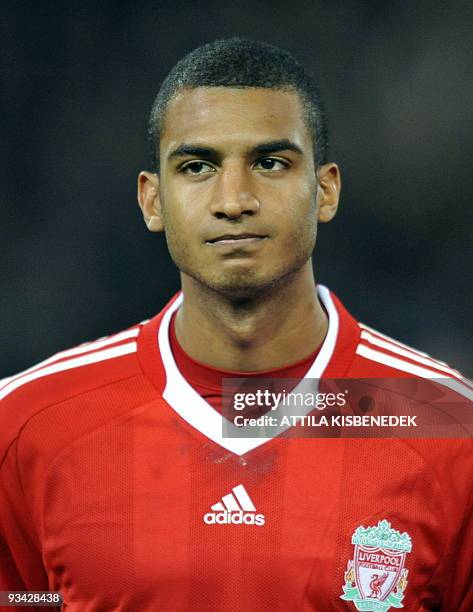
point(376, 578)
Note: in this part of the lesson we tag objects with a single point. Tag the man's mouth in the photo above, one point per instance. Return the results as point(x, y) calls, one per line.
point(242, 239)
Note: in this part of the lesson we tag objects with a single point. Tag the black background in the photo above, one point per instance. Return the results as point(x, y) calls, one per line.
point(78, 80)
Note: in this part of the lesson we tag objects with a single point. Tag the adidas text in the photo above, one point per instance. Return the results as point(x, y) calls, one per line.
point(233, 518)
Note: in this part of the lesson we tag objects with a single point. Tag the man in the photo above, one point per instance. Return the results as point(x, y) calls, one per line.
point(119, 487)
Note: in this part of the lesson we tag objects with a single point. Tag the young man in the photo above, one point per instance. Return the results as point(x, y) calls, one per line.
point(119, 487)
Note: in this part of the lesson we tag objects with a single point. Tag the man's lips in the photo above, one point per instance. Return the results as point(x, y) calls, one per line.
point(245, 238)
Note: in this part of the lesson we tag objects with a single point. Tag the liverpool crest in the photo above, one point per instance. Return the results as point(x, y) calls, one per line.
point(375, 579)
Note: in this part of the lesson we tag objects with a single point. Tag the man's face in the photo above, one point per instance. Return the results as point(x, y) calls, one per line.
point(237, 187)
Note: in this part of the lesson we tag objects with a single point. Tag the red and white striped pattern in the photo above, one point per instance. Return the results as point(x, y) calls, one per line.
point(102, 349)
point(387, 351)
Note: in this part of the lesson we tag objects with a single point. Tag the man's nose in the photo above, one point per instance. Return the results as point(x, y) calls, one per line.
point(234, 195)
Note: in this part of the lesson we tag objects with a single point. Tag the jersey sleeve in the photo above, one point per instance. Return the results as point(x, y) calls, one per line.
point(459, 592)
point(21, 567)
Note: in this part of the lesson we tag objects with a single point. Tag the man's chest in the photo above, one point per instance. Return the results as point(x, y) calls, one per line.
point(143, 514)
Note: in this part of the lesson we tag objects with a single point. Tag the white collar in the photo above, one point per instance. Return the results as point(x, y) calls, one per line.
point(198, 413)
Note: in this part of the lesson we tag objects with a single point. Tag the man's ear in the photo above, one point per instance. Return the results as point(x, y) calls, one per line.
point(330, 185)
point(149, 201)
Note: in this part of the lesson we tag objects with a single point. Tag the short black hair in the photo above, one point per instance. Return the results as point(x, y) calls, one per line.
point(241, 63)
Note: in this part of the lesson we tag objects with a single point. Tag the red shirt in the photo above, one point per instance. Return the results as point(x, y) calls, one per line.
point(118, 489)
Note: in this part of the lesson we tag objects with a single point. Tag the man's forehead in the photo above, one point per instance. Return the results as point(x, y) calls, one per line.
point(237, 114)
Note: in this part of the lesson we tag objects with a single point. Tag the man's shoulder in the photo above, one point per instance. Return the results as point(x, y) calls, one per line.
point(67, 374)
point(409, 381)
point(379, 355)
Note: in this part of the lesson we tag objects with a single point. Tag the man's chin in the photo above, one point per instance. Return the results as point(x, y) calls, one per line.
point(249, 283)
point(239, 287)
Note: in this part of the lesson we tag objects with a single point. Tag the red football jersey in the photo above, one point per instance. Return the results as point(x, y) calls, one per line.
point(118, 489)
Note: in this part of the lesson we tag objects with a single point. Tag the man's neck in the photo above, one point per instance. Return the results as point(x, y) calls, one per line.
point(283, 327)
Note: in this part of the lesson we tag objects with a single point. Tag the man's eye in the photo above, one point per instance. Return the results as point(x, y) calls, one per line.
point(196, 167)
point(271, 164)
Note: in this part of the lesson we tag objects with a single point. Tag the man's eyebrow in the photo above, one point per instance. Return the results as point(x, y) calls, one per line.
point(274, 146)
point(184, 150)
point(265, 148)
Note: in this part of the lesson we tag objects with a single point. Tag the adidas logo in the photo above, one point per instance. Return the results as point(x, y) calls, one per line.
point(236, 508)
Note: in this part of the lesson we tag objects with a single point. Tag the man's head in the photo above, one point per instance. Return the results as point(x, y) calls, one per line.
point(242, 183)
point(241, 63)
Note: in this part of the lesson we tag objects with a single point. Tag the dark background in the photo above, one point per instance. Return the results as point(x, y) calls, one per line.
point(78, 80)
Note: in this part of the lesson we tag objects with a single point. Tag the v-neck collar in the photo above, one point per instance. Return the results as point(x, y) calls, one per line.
point(158, 363)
